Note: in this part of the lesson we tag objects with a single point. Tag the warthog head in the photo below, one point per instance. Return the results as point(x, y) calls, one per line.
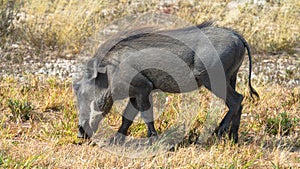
point(93, 98)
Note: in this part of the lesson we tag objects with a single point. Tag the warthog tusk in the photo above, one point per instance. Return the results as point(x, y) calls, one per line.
point(95, 116)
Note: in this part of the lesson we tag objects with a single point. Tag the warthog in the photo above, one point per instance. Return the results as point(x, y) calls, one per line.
point(137, 62)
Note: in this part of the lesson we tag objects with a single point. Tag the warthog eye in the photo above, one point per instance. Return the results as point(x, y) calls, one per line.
point(80, 128)
point(76, 86)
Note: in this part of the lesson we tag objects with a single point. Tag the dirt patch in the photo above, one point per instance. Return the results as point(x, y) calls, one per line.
point(19, 60)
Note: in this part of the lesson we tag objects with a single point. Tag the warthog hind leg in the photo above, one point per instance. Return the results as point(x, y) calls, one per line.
point(233, 102)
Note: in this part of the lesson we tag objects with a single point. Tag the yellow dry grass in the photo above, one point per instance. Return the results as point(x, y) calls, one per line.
point(49, 140)
point(65, 25)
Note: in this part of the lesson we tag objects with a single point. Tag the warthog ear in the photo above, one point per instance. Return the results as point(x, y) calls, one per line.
point(98, 68)
point(101, 69)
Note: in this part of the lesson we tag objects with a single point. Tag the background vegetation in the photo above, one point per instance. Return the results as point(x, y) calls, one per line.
point(38, 120)
point(63, 24)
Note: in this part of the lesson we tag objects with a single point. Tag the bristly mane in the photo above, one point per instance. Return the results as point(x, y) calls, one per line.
point(206, 24)
point(119, 37)
point(125, 35)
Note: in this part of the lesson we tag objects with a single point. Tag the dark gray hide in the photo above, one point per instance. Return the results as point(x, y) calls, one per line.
point(140, 61)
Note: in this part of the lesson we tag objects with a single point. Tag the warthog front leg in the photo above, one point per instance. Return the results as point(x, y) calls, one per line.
point(129, 114)
point(149, 119)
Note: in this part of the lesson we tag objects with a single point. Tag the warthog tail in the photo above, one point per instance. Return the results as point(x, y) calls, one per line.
point(252, 90)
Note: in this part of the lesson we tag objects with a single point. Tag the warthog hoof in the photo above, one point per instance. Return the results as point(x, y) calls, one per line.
point(219, 131)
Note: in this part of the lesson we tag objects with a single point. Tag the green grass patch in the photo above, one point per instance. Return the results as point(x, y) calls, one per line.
point(20, 109)
point(282, 124)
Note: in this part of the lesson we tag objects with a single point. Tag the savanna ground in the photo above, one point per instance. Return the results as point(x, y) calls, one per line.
point(38, 119)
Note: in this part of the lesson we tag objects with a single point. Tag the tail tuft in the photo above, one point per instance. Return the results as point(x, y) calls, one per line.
point(253, 92)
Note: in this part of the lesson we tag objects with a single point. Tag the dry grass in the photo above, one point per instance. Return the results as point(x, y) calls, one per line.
point(48, 138)
point(65, 25)
point(43, 154)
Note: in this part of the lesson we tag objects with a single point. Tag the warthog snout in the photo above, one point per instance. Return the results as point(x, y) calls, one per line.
point(81, 132)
